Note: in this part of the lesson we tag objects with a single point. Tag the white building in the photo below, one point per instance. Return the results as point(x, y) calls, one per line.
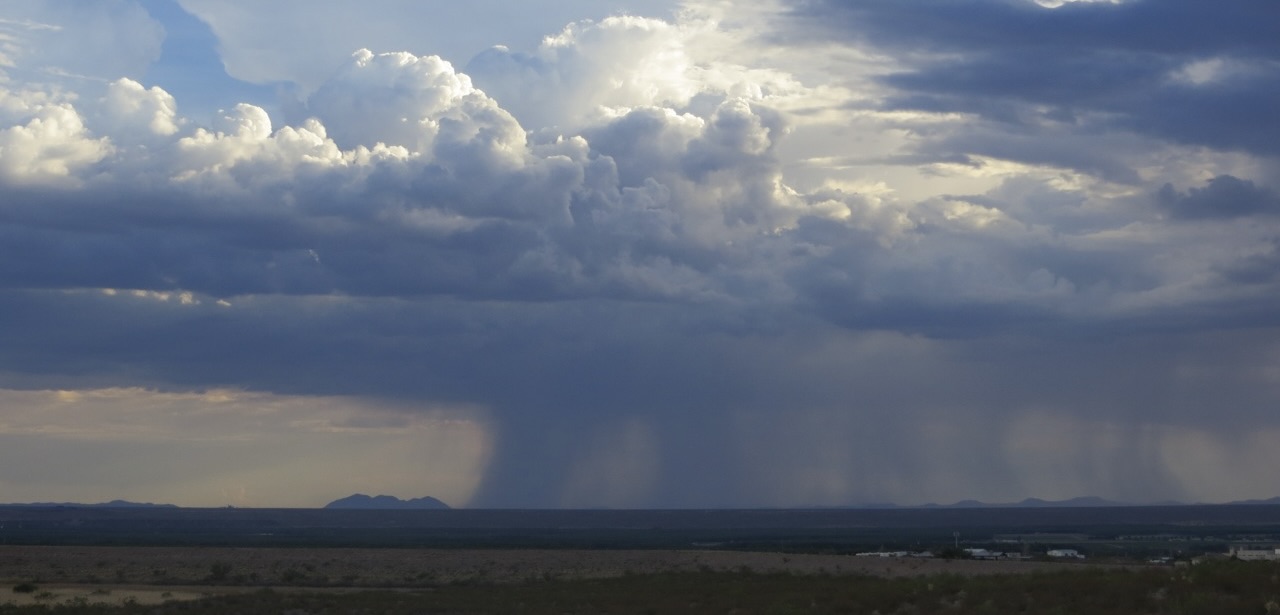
point(1255, 554)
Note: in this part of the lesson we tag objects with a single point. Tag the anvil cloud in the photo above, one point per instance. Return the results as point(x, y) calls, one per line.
point(708, 254)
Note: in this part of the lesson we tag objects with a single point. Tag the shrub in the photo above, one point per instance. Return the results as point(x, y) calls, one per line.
point(219, 571)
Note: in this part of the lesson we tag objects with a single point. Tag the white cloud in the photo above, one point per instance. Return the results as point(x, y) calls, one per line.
point(49, 148)
point(131, 112)
point(391, 98)
point(1053, 4)
point(304, 42)
point(242, 134)
point(618, 63)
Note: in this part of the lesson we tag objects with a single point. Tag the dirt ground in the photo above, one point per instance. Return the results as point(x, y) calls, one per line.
point(62, 594)
point(171, 567)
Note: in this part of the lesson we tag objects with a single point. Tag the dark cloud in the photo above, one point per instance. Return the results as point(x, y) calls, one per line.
point(721, 408)
point(646, 310)
point(1164, 27)
point(1102, 66)
point(1262, 268)
point(1224, 196)
point(711, 402)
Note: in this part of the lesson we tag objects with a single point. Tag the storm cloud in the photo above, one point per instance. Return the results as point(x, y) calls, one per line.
point(979, 250)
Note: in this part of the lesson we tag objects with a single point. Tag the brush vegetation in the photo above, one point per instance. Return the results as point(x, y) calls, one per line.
point(1208, 588)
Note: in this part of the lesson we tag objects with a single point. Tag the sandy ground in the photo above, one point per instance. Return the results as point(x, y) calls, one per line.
point(114, 595)
point(176, 569)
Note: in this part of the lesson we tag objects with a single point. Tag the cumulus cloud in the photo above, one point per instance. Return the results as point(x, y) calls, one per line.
point(301, 42)
point(392, 98)
point(134, 111)
point(619, 62)
point(408, 143)
point(49, 148)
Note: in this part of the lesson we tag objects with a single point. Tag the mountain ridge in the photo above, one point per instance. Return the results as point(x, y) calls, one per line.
point(111, 504)
point(1088, 501)
point(386, 502)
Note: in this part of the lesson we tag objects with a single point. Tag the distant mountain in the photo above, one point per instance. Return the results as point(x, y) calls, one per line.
point(111, 504)
point(1266, 502)
point(1090, 501)
point(387, 502)
point(1081, 502)
point(967, 504)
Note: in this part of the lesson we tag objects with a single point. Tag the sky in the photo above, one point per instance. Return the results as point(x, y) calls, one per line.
point(639, 253)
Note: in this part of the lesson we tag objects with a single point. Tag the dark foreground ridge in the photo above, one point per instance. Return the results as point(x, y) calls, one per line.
point(1093, 529)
